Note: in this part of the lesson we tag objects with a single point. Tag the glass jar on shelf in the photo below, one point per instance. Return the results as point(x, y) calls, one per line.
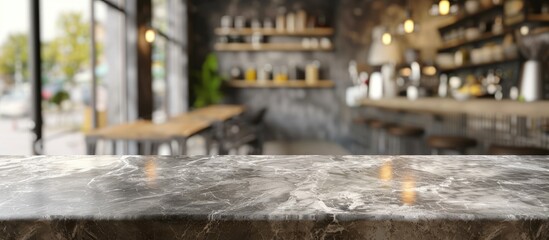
point(281, 75)
point(251, 74)
point(311, 73)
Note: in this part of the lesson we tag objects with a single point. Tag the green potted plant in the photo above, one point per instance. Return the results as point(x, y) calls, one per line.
point(207, 89)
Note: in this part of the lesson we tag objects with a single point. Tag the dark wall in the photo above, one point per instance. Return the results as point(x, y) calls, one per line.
point(294, 113)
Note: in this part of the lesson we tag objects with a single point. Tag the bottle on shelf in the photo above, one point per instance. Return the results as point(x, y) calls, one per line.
point(443, 86)
point(325, 43)
point(290, 22)
point(226, 22)
point(255, 24)
point(281, 75)
point(281, 20)
point(251, 74)
point(268, 24)
point(301, 21)
point(311, 22)
point(240, 22)
point(264, 74)
point(321, 21)
point(311, 73)
point(235, 73)
point(257, 40)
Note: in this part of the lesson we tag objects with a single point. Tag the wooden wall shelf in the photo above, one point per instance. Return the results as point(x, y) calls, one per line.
point(266, 47)
point(271, 84)
point(480, 65)
point(310, 32)
point(472, 17)
point(537, 18)
point(452, 45)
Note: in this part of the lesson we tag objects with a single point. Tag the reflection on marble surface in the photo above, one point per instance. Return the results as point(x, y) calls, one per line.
point(275, 187)
point(372, 190)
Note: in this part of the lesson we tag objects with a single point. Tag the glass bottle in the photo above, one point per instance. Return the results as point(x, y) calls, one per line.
point(281, 75)
point(251, 74)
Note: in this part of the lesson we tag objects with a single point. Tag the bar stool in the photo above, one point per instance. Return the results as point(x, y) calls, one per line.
point(378, 139)
point(360, 128)
point(451, 143)
point(362, 121)
point(515, 150)
point(404, 139)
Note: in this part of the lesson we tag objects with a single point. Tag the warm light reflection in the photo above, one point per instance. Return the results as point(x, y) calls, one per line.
point(386, 38)
point(408, 191)
point(444, 7)
point(150, 171)
point(409, 26)
point(386, 171)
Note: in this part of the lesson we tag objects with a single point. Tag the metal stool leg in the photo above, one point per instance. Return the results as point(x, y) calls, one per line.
point(91, 145)
point(147, 148)
point(382, 142)
point(154, 148)
point(170, 147)
point(113, 147)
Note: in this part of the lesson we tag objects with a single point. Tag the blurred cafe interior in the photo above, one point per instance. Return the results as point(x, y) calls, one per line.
point(274, 77)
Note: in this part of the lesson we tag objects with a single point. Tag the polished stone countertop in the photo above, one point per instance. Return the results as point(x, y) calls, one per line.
point(341, 188)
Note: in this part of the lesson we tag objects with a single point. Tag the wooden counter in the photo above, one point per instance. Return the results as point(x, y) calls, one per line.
point(469, 107)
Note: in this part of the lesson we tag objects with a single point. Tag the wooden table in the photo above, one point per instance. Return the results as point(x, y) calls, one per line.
point(177, 129)
point(138, 130)
point(218, 113)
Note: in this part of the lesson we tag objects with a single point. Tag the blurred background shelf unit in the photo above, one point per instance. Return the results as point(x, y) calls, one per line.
point(308, 32)
point(483, 39)
point(268, 47)
point(294, 41)
point(289, 84)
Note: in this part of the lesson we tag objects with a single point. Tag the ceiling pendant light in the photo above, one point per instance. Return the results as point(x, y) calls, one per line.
point(444, 7)
point(409, 24)
point(386, 38)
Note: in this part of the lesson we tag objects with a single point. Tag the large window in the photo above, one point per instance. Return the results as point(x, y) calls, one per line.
point(15, 107)
point(110, 21)
point(169, 59)
point(159, 57)
point(71, 80)
point(66, 75)
point(84, 85)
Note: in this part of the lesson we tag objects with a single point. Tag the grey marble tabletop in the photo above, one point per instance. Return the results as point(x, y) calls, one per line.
point(275, 187)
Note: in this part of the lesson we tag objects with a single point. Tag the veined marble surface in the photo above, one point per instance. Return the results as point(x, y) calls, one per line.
point(337, 188)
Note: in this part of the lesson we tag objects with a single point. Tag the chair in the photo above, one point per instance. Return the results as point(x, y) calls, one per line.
point(245, 131)
point(379, 135)
point(404, 137)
